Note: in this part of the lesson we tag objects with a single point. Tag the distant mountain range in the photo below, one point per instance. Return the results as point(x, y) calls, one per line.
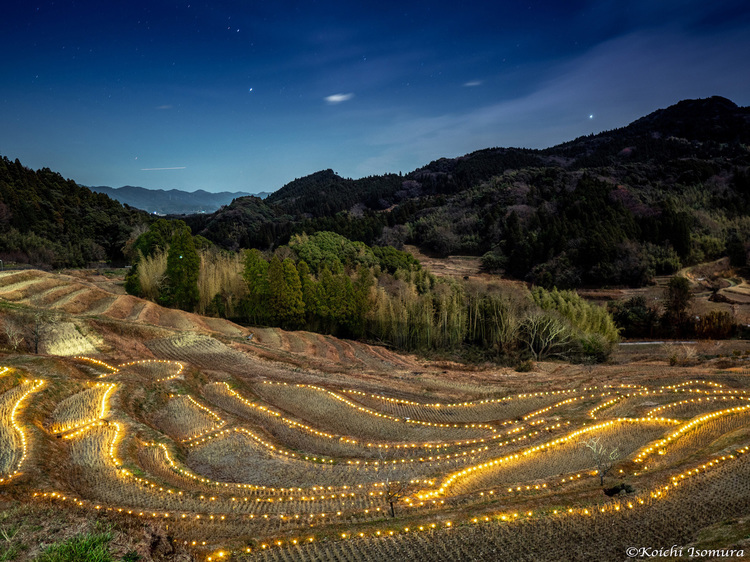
point(173, 201)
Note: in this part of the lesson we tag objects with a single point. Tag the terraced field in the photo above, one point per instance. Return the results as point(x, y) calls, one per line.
point(241, 452)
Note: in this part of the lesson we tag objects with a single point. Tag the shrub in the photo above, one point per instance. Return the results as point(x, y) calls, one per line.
point(715, 325)
point(596, 347)
point(525, 366)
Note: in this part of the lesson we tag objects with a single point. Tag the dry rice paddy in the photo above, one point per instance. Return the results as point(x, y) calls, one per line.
point(242, 463)
point(245, 452)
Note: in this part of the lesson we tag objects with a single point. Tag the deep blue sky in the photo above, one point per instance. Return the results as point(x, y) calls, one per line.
point(247, 95)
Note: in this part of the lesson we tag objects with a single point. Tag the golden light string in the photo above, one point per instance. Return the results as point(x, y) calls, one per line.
point(644, 453)
point(35, 386)
point(452, 478)
point(642, 500)
point(633, 502)
point(375, 413)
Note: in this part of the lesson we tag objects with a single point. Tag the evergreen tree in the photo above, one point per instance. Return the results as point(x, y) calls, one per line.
point(256, 277)
point(157, 237)
point(277, 291)
point(736, 250)
point(309, 291)
point(677, 303)
point(336, 302)
point(361, 298)
point(294, 311)
point(183, 266)
point(326, 299)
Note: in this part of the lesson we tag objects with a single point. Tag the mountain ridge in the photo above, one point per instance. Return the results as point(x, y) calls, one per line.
point(617, 207)
point(171, 201)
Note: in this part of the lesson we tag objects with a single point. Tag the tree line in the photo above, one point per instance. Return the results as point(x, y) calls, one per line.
point(326, 283)
point(637, 318)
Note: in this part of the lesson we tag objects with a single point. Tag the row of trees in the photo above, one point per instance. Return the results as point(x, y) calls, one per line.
point(637, 318)
point(329, 284)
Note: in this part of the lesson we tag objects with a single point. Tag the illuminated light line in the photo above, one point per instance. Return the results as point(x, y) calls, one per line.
point(220, 422)
point(189, 474)
point(103, 408)
point(97, 362)
point(559, 404)
point(684, 428)
point(180, 367)
point(472, 403)
point(643, 500)
point(515, 515)
point(612, 509)
point(679, 388)
point(695, 382)
point(658, 494)
point(305, 427)
point(274, 413)
point(375, 413)
point(709, 398)
point(453, 478)
point(350, 441)
point(634, 502)
point(37, 384)
point(608, 403)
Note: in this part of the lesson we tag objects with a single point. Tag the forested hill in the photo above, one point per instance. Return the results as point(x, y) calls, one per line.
point(670, 189)
point(690, 128)
point(700, 122)
point(46, 220)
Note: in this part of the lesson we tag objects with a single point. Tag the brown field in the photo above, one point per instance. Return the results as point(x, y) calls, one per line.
point(732, 290)
point(177, 431)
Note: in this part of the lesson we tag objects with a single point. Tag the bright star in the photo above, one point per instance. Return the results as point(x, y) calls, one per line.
point(591, 116)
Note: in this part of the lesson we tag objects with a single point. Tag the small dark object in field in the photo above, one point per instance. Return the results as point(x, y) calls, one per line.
point(618, 490)
point(525, 367)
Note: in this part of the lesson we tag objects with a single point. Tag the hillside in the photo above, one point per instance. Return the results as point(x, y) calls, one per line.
point(86, 313)
point(617, 208)
point(173, 201)
point(171, 436)
point(50, 221)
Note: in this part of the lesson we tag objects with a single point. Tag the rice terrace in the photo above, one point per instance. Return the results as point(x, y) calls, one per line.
point(295, 446)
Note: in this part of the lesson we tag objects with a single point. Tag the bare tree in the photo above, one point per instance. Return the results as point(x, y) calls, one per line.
point(545, 335)
point(13, 333)
point(603, 456)
point(397, 484)
point(38, 322)
point(397, 490)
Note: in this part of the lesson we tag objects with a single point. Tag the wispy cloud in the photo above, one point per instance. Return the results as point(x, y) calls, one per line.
point(618, 80)
point(338, 98)
point(154, 169)
point(472, 83)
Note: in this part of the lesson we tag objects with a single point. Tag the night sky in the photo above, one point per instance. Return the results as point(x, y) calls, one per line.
point(247, 95)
